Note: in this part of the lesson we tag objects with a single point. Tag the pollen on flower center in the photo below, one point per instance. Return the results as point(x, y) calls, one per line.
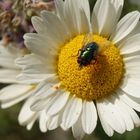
point(96, 80)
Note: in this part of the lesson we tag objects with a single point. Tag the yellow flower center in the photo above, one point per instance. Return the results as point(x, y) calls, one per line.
point(96, 80)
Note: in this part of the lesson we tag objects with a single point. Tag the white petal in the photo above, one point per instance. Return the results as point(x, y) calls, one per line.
point(84, 14)
point(132, 67)
point(77, 130)
point(54, 100)
point(118, 4)
point(127, 117)
point(135, 31)
point(26, 114)
point(130, 100)
point(133, 72)
point(34, 70)
point(41, 45)
point(107, 128)
point(59, 4)
point(33, 78)
point(43, 119)
point(14, 94)
point(75, 12)
point(103, 17)
point(8, 75)
point(38, 69)
point(134, 116)
point(14, 90)
point(7, 62)
point(89, 117)
point(121, 107)
point(77, 21)
point(11, 102)
point(85, 6)
point(125, 26)
point(117, 111)
point(38, 25)
point(29, 59)
point(132, 62)
point(58, 104)
point(71, 16)
point(71, 113)
point(83, 24)
point(31, 123)
point(49, 95)
point(41, 104)
point(130, 45)
point(46, 88)
point(54, 122)
point(111, 115)
point(7, 56)
point(55, 27)
point(131, 86)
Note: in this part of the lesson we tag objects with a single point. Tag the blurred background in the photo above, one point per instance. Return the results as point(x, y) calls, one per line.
point(11, 130)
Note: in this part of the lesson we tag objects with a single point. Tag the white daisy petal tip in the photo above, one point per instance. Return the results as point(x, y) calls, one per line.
point(44, 13)
point(89, 117)
point(77, 130)
point(37, 23)
point(31, 123)
point(63, 127)
point(125, 26)
point(14, 93)
point(58, 104)
point(26, 115)
point(54, 122)
point(37, 106)
point(26, 36)
point(43, 120)
point(71, 113)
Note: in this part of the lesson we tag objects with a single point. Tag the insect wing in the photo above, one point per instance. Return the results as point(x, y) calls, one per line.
point(87, 39)
point(104, 46)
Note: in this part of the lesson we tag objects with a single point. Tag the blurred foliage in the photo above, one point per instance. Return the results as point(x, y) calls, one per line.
point(128, 6)
point(11, 130)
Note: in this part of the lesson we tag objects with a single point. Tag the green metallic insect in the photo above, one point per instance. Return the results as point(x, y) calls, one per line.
point(89, 51)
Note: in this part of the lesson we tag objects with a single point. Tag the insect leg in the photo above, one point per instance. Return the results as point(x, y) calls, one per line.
point(77, 53)
point(80, 50)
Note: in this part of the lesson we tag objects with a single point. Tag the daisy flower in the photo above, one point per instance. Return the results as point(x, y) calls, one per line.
point(16, 91)
point(76, 83)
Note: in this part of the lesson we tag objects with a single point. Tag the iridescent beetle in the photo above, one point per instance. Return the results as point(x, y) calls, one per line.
point(89, 51)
